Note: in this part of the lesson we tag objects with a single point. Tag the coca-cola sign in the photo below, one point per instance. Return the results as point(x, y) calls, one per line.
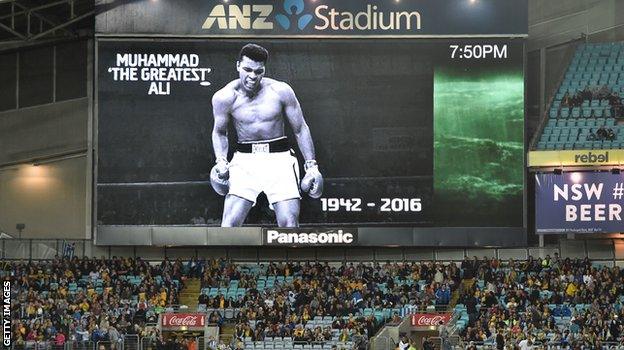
point(426, 320)
point(183, 320)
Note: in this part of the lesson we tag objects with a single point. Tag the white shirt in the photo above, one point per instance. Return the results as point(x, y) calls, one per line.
point(524, 345)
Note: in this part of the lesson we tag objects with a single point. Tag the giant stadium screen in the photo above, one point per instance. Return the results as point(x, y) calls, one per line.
point(387, 123)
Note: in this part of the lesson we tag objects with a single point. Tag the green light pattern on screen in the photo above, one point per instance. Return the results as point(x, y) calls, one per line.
point(478, 147)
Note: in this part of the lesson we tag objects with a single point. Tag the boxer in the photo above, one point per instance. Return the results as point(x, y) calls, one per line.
point(263, 161)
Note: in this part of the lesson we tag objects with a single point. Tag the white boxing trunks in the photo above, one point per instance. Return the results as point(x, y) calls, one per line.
point(268, 167)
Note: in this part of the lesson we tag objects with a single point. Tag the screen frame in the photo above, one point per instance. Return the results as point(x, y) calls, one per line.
point(372, 236)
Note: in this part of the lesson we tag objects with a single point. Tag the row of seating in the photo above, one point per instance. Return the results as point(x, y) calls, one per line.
point(598, 112)
point(569, 128)
point(580, 145)
point(581, 122)
point(324, 346)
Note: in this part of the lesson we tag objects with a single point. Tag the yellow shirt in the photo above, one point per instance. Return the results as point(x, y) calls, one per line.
point(571, 289)
point(84, 306)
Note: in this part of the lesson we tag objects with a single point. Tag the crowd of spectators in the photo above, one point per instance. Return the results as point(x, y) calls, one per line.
point(595, 93)
point(88, 299)
point(601, 134)
point(321, 290)
point(538, 301)
point(105, 305)
point(599, 93)
point(557, 302)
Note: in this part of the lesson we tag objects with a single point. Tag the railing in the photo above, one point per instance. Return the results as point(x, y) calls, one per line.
point(37, 345)
point(108, 345)
point(80, 345)
point(148, 343)
point(489, 345)
point(131, 342)
point(381, 343)
point(201, 343)
point(452, 342)
point(47, 249)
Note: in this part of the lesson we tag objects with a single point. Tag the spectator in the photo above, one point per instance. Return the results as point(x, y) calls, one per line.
point(500, 340)
point(443, 295)
point(404, 343)
point(566, 101)
point(610, 134)
point(526, 344)
point(427, 344)
point(59, 340)
point(585, 94)
point(601, 134)
point(603, 92)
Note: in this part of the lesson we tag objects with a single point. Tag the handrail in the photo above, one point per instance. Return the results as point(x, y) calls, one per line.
point(85, 247)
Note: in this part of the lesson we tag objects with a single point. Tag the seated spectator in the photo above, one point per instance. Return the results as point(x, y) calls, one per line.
point(610, 134)
point(601, 134)
point(577, 100)
point(586, 94)
point(566, 101)
point(603, 92)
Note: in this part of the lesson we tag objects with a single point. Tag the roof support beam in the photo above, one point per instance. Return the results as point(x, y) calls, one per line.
point(12, 31)
point(60, 26)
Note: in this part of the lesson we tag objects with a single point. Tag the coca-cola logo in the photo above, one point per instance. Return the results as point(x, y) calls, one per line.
point(180, 320)
point(421, 320)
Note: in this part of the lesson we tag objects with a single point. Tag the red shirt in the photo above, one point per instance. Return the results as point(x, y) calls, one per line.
point(60, 339)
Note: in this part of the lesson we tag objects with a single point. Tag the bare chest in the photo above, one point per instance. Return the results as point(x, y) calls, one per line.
point(264, 107)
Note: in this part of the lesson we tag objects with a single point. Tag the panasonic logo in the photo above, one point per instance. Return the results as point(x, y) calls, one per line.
point(331, 237)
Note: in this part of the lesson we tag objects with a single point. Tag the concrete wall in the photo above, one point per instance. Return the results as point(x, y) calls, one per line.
point(44, 115)
point(49, 198)
point(608, 252)
point(42, 131)
point(555, 22)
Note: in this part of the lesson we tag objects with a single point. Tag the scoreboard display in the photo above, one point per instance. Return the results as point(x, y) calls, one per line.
point(414, 124)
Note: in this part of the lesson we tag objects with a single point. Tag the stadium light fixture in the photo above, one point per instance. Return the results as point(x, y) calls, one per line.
point(576, 177)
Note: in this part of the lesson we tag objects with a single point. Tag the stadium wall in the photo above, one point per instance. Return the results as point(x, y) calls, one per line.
point(609, 252)
point(44, 115)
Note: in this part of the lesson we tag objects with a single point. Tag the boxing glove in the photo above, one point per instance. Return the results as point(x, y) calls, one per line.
point(219, 177)
point(312, 182)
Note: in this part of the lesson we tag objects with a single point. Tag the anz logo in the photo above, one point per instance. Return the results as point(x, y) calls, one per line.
point(240, 17)
point(293, 10)
point(257, 16)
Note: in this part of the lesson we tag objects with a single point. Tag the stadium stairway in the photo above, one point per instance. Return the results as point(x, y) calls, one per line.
point(455, 296)
point(226, 333)
point(466, 285)
point(189, 295)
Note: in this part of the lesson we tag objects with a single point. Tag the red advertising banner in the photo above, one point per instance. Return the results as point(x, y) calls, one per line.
point(426, 320)
point(195, 320)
